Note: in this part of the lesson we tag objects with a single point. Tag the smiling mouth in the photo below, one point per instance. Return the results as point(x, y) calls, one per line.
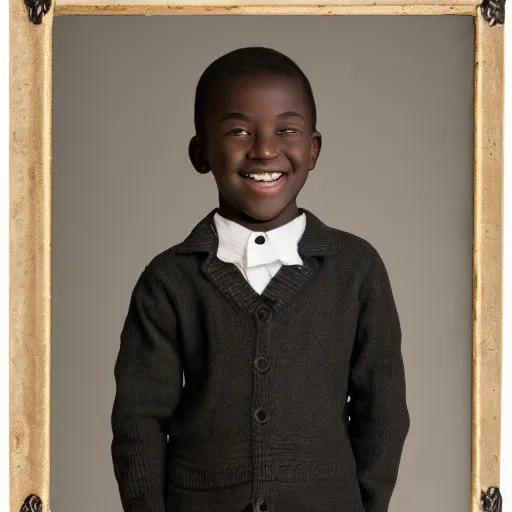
point(263, 177)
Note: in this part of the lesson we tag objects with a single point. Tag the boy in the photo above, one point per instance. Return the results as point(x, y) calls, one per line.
point(285, 330)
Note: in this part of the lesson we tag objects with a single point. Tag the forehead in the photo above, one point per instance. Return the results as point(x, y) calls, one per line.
point(261, 92)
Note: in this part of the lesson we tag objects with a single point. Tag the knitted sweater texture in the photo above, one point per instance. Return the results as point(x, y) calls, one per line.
point(264, 416)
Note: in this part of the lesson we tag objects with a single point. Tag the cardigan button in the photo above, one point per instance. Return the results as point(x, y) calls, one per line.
point(261, 364)
point(261, 416)
point(264, 314)
point(261, 505)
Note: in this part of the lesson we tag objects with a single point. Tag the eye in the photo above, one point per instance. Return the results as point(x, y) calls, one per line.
point(238, 132)
point(288, 131)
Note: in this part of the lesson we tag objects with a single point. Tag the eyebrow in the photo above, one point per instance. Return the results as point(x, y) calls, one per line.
point(234, 115)
point(243, 117)
point(291, 113)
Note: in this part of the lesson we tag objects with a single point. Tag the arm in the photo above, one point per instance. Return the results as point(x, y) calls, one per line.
point(148, 375)
point(379, 418)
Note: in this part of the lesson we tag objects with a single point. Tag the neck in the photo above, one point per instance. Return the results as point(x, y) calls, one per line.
point(285, 216)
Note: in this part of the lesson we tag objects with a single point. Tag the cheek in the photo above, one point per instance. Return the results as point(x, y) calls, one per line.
point(227, 153)
point(299, 155)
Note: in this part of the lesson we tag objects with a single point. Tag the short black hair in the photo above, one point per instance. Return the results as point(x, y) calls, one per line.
point(251, 60)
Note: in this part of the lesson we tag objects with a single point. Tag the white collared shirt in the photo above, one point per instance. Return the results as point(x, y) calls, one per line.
point(259, 255)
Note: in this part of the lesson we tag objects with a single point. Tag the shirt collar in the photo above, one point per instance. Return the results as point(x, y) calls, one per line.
point(317, 240)
point(237, 244)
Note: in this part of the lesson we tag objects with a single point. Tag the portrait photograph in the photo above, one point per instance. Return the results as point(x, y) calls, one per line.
point(256, 256)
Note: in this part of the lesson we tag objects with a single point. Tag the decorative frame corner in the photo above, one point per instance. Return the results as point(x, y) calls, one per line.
point(493, 11)
point(492, 500)
point(32, 503)
point(37, 9)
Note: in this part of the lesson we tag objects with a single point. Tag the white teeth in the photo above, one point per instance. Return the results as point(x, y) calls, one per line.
point(268, 176)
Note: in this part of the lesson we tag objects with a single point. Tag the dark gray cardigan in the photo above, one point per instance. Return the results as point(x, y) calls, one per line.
point(264, 416)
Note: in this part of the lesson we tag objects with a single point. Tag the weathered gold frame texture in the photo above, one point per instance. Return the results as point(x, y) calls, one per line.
point(31, 238)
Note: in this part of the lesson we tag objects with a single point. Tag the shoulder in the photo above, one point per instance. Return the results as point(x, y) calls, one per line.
point(156, 268)
point(184, 257)
point(169, 269)
point(164, 262)
point(360, 257)
point(156, 281)
point(347, 245)
point(366, 262)
point(348, 250)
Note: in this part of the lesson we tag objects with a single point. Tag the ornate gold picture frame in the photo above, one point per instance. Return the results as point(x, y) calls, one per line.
point(31, 201)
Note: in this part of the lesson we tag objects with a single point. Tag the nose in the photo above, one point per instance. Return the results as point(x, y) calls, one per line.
point(264, 147)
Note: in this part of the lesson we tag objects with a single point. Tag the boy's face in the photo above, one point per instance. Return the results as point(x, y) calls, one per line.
point(260, 147)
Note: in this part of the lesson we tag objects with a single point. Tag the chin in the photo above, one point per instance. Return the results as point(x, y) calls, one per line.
point(255, 211)
point(262, 214)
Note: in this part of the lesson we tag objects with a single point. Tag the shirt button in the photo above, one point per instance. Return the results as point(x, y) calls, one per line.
point(261, 364)
point(261, 416)
point(264, 314)
point(261, 505)
point(260, 240)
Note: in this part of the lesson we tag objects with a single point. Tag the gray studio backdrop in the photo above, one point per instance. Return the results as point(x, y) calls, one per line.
point(395, 97)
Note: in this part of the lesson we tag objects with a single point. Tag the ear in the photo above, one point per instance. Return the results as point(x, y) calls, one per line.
point(316, 146)
point(196, 155)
